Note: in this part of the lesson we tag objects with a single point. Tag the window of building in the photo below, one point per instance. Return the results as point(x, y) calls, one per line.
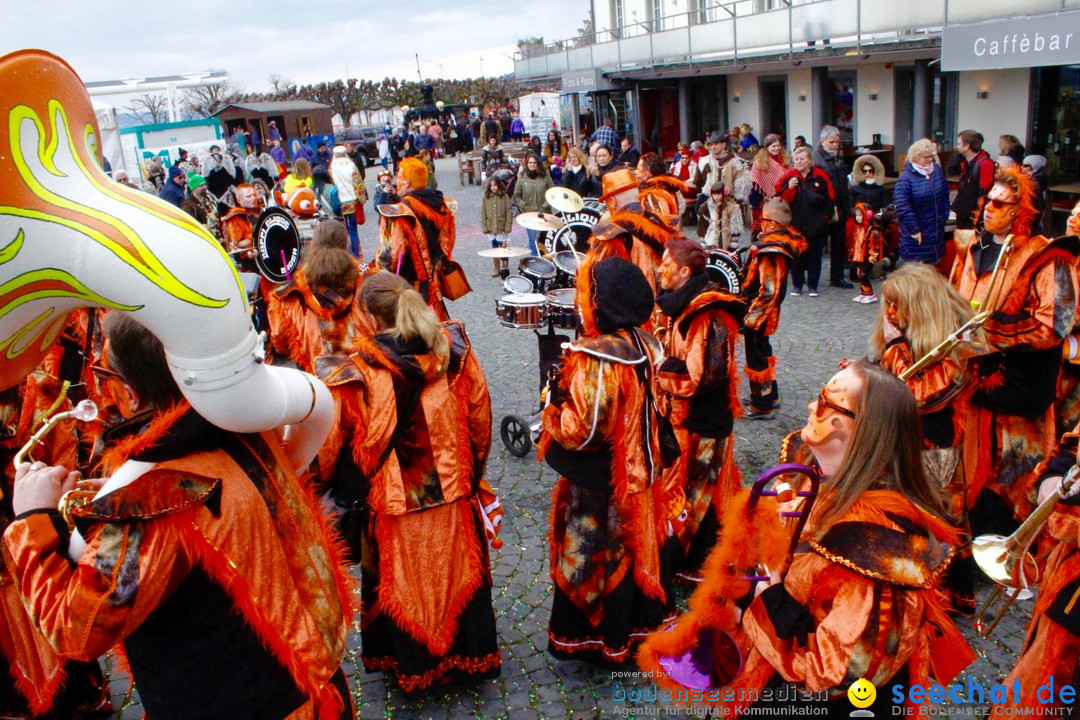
point(656, 9)
point(1055, 134)
point(699, 12)
point(943, 118)
point(618, 16)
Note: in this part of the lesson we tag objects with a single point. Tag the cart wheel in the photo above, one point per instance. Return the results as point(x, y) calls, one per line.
point(516, 435)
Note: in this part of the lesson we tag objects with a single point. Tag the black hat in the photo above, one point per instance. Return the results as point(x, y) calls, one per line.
point(622, 295)
point(716, 137)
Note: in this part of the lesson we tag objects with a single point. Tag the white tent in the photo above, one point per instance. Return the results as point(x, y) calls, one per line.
point(110, 135)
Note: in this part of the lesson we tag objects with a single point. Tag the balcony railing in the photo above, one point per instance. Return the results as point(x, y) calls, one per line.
point(733, 31)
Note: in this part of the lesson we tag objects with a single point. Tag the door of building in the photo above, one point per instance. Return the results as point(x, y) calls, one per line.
point(774, 119)
point(659, 119)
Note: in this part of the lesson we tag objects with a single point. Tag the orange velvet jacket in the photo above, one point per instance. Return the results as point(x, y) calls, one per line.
point(410, 252)
point(601, 408)
point(861, 600)
point(700, 348)
point(263, 541)
point(422, 485)
point(763, 287)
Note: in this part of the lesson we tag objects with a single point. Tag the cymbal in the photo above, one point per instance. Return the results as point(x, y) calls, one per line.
point(563, 200)
point(504, 252)
point(539, 221)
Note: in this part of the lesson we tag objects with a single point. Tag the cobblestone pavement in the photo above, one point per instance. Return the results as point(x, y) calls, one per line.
point(814, 334)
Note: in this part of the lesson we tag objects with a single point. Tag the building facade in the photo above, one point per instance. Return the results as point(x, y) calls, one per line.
point(886, 72)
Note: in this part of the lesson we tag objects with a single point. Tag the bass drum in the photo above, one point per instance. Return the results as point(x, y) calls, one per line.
point(577, 231)
point(725, 270)
point(277, 245)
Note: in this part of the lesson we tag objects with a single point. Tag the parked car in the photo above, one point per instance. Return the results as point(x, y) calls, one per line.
point(365, 139)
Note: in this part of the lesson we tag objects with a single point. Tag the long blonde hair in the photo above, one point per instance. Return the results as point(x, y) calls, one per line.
point(301, 169)
point(762, 160)
point(933, 308)
point(402, 312)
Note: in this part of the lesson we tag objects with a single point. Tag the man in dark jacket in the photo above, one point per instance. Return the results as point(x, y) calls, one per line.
point(976, 170)
point(173, 189)
point(828, 158)
point(628, 154)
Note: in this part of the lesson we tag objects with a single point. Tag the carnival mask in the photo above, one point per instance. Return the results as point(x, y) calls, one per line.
point(832, 418)
point(245, 196)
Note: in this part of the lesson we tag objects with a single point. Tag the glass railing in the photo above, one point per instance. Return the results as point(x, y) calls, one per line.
point(744, 29)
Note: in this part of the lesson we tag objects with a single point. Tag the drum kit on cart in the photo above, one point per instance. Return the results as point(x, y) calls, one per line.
point(543, 294)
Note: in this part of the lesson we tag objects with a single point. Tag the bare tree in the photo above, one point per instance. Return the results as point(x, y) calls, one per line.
point(205, 101)
point(150, 109)
point(282, 88)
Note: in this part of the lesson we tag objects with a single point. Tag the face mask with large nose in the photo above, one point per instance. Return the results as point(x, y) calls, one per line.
point(71, 238)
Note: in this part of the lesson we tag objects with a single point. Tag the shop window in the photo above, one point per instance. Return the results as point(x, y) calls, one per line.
point(943, 117)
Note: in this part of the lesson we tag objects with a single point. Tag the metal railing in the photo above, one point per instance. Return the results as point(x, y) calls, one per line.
point(743, 29)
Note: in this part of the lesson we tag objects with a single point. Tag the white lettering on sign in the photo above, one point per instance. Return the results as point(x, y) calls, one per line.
point(1032, 41)
point(1020, 43)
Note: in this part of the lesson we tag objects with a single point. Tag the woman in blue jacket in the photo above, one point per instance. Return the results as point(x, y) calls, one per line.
point(921, 197)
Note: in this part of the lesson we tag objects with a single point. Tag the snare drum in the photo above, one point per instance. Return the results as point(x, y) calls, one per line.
point(522, 310)
point(562, 308)
point(566, 265)
point(517, 284)
point(540, 271)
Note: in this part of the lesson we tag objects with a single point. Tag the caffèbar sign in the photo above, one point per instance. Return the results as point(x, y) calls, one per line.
point(1018, 42)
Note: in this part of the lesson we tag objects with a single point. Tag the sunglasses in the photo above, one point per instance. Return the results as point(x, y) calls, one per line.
point(823, 402)
point(1000, 204)
point(104, 373)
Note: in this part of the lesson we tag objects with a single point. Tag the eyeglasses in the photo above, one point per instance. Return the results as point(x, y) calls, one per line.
point(823, 402)
point(1000, 204)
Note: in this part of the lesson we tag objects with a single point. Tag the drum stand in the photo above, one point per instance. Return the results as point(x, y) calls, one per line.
point(518, 433)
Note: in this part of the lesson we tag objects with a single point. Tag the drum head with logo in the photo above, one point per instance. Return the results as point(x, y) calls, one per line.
point(725, 270)
point(277, 245)
point(576, 232)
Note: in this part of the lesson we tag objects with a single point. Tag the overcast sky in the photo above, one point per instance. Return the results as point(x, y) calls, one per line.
point(305, 42)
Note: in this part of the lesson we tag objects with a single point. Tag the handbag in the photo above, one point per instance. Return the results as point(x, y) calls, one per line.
point(452, 280)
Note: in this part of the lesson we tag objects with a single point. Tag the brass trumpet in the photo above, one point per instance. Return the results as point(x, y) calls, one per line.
point(1006, 560)
point(984, 310)
point(85, 411)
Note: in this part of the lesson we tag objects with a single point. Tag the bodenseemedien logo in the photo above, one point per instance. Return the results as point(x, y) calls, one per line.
point(862, 694)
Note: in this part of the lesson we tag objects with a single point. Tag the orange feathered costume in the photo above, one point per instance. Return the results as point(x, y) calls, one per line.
point(1052, 648)
point(419, 428)
point(1011, 428)
point(42, 680)
point(859, 599)
point(420, 231)
point(698, 390)
point(219, 544)
point(764, 288)
point(605, 528)
point(665, 197)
